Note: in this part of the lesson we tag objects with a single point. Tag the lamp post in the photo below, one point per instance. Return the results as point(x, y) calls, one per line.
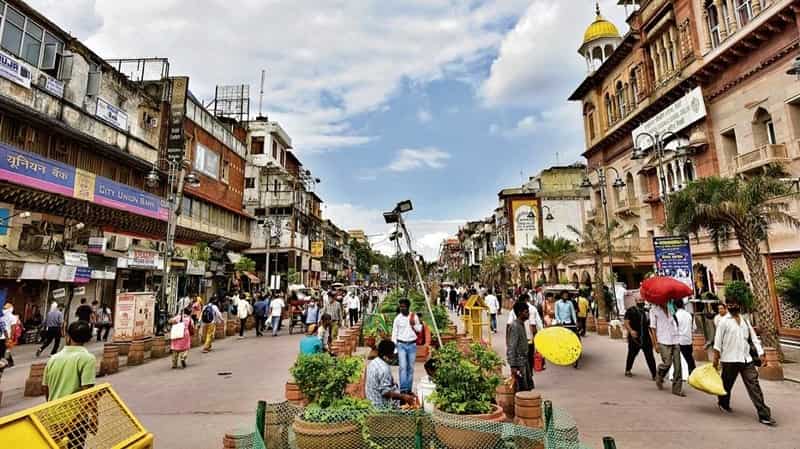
point(177, 177)
point(602, 185)
point(659, 141)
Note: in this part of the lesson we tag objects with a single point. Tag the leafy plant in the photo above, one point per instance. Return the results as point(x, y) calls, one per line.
point(442, 317)
point(292, 276)
point(788, 284)
point(202, 253)
point(377, 324)
point(741, 291)
point(323, 378)
point(245, 264)
point(465, 384)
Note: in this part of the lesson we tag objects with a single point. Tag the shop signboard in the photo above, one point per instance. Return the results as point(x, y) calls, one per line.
point(673, 256)
point(525, 213)
point(76, 259)
point(317, 249)
point(67, 273)
point(51, 85)
point(31, 170)
point(79, 291)
point(133, 316)
point(111, 114)
point(195, 267)
point(97, 245)
point(14, 70)
point(59, 293)
point(141, 259)
point(176, 145)
point(82, 275)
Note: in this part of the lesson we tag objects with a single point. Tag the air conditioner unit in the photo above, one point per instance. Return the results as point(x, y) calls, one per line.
point(151, 122)
point(119, 242)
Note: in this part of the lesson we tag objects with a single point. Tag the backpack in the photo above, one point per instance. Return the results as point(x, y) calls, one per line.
point(207, 315)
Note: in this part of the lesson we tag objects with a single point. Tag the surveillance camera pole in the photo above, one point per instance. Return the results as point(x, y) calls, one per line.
point(402, 223)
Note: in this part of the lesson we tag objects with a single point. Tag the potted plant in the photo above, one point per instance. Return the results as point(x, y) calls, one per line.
point(465, 387)
point(742, 291)
point(331, 419)
point(376, 328)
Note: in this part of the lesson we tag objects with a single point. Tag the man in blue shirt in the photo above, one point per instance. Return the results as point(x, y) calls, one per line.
point(565, 311)
point(260, 312)
point(311, 344)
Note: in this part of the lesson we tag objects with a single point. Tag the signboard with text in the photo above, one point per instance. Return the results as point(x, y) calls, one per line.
point(526, 224)
point(317, 249)
point(675, 117)
point(673, 256)
point(133, 316)
point(111, 114)
point(177, 110)
point(14, 70)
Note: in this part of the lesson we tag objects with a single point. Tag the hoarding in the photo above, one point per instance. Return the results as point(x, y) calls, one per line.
point(525, 215)
point(673, 256)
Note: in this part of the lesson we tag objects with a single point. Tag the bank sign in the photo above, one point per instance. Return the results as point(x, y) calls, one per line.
point(31, 170)
point(675, 117)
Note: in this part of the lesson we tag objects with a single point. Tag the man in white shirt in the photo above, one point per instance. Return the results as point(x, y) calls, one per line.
point(685, 328)
point(243, 310)
point(532, 325)
point(405, 328)
point(494, 307)
point(664, 333)
point(732, 350)
point(352, 303)
point(276, 310)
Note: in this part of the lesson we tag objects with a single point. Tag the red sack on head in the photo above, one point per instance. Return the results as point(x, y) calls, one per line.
point(660, 289)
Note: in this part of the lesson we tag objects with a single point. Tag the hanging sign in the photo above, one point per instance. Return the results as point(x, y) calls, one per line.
point(97, 245)
point(59, 293)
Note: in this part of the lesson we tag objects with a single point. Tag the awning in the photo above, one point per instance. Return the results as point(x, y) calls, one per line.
point(253, 278)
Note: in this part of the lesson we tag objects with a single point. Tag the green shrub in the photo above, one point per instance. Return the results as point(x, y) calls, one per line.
point(788, 284)
point(323, 378)
point(741, 291)
point(465, 384)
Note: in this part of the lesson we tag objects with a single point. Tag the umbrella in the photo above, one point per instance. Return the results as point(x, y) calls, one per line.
point(558, 345)
point(660, 289)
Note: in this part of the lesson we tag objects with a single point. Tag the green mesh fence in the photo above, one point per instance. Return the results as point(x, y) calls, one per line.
point(281, 426)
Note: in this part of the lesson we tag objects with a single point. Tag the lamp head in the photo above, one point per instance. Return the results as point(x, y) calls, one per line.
point(586, 183)
point(25, 214)
point(79, 226)
point(618, 183)
point(638, 153)
point(404, 206)
point(191, 179)
point(152, 178)
point(549, 217)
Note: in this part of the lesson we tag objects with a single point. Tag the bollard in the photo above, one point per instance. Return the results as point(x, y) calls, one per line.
point(33, 385)
point(197, 338)
point(109, 364)
point(237, 439)
point(528, 409)
point(231, 328)
point(609, 443)
point(148, 343)
point(219, 331)
point(504, 396)
point(136, 353)
point(124, 347)
point(591, 324)
point(602, 326)
point(159, 348)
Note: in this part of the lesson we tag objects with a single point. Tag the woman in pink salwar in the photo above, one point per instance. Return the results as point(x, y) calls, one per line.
point(180, 346)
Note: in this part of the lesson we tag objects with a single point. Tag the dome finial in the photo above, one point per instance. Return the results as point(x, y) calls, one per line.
point(597, 8)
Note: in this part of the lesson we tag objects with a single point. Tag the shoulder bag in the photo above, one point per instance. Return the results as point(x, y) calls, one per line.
point(753, 350)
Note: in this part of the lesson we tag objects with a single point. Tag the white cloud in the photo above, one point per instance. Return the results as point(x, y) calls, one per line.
point(332, 63)
point(424, 116)
point(538, 63)
point(426, 235)
point(411, 158)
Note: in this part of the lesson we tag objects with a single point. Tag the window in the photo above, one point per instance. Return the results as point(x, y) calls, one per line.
point(634, 80)
point(275, 150)
point(621, 105)
point(186, 206)
point(590, 119)
point(729, 148)
point(609, 111)
point(257, 145)
point(770, 129)
point(204, 212)
point(12, 31)
point(249, 183)
point(744, 11)
point(206, 161)
point(226, 171)
point(712, 20)
point(275, 189)
point(32, 44)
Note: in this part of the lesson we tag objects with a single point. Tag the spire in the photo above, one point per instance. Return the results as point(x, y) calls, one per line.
point(597, 8)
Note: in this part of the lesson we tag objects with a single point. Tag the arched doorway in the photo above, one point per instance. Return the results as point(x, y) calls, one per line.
point(586, 279)
point(575, 281)
point(702, 280)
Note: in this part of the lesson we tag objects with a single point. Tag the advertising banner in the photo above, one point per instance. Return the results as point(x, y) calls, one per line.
point(195, 267)
point(525, 215)
point(317, 249)
point(177, 111)
point(674, 258)
point(97, 245)
point(31, 170)
point(76, 259)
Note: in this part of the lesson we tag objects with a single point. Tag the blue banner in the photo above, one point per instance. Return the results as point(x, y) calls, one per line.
point(674, 258)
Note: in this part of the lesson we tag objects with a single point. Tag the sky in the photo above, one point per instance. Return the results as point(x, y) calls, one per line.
point(442, 102)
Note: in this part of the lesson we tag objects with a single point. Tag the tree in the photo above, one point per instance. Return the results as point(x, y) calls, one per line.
point(745, 208)
point(550, 251)
point(593, 243)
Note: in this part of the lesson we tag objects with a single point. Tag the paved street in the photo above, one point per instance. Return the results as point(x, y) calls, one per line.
point(193, 408)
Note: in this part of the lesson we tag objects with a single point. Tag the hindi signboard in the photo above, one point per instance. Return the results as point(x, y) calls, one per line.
point(177, 110)
point(675, 117)
point(673, 256)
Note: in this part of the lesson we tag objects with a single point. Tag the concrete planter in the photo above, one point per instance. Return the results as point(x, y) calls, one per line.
point(771, 368)
point(33, 384)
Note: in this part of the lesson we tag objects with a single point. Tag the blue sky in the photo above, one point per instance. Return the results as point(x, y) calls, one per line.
point(443, 102)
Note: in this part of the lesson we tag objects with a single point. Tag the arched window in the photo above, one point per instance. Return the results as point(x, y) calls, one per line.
point(630, 189)
point(621, 106)
point(588, 112)
point(610, 49)
point(732, 273)
point(575, 281)
point(688, 171)
point(712, 21)
point(763, 128)
point(609, 110)
point(586, 278)
point(634, 80)
point(597, 57)
point(670, 179)
point(744, 10)
point(636, 238)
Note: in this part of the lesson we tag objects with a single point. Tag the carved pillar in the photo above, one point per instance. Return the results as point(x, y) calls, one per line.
point(733, 25)
point(757, 7)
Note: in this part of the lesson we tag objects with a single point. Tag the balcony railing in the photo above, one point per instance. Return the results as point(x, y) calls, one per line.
point(764, 155)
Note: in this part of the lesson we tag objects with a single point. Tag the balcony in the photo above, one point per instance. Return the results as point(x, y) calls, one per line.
point(762, 156)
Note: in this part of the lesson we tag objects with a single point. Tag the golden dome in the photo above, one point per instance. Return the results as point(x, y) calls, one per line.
point(600, 28)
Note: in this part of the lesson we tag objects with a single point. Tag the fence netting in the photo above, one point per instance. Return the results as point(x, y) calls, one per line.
point(287, 426)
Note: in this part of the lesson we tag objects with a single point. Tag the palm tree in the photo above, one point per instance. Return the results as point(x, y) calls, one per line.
point(550, 251)
point(745, 207)
point(492, 269)
point(593, 243)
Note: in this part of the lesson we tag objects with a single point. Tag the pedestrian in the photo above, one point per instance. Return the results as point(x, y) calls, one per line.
point(334, 309)
point(442, 295)
point(735, 345)
point(197, 309)
point(549, 309)
point(565, 312)
point(722, 311)
point(686, 327)
point(210, 317)
point(311, 313)
point(637, 323)
point(14, 328)
point(73, 368)
point(180, 346)
point(84, 311)
point(664, 332)
point(276, 311)
point(405, 328)
point(70, 371)
point(583, 313)
point(532, 325)
point(104, 321)
point(311, 343)
point(517, 348)
point(352, 303)
point(5, 335)
point(243, 310)
point(260, 309)
point(324, 332)
point(52, 329)
point(379, 386)
point(494, 307)
point(453, 296)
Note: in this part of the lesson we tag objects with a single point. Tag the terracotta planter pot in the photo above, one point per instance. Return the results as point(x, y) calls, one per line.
point(231, 328)
point(699, 351)
point(293, 394)
point(504, 395)
point(370, 342)
point(615, 332)
point(124, 347)
point(276, 429)
point(33, 385)
point(327, 435)
point(219, 331)
point(159, 348)
point(771, 368)
point(453, 435)
point(448, 338)
point(109, 364)
point(197, 338)
point(148, 343)
point(602, 326)
point(423, 352)
point(135, 353)
point(591, 324)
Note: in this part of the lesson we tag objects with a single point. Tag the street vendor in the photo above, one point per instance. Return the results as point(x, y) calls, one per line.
point(381, 389)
